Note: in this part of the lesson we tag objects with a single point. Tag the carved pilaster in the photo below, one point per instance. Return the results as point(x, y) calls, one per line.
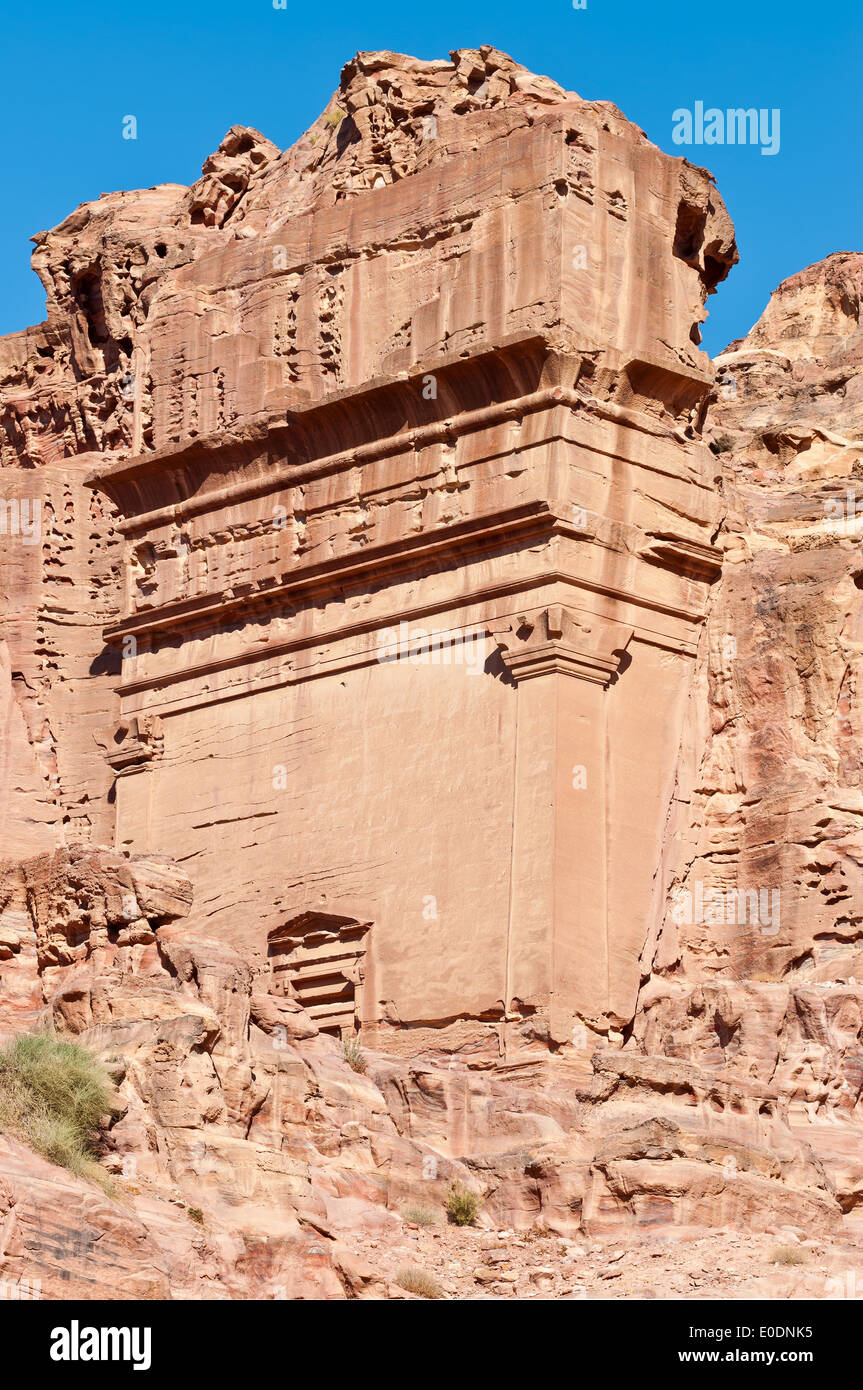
point(564, 663)
point(558, 641)
point(132, 743)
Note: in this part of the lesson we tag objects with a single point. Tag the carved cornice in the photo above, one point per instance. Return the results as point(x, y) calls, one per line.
point(531, 523)
point(686, 557)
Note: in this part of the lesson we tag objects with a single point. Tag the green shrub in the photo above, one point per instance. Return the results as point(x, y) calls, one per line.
point(353, 1055)
point(462, 1205)
point(195, 1214)
point(54, 1096)
point(419, 1215)
point(418, 1282)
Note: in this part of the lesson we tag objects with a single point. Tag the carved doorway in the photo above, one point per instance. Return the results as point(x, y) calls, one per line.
point(319, 959)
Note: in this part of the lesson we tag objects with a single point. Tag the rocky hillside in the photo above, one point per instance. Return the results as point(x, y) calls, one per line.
point(248, 1158)
point(769, 798)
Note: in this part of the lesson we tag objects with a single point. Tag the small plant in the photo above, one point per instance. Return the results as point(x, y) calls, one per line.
point(195, 1214)
point(54, 1095)
point(334, 117)
point(723, 442)
point(462, 1205)
point(417, 1281)
point(419, 1215)
point(353, 1054)
point(788, 1255)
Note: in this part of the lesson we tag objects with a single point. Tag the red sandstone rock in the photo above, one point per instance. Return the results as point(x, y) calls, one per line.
point(437, 366)
point(396, 391)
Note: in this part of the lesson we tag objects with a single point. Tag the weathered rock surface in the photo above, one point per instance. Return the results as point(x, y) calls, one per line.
point(396, 373)
point(233, 1111)
point(407, 386)
point(627, 1002)
point(762, 986)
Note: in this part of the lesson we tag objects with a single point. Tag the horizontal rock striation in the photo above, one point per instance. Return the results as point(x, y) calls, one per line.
point(409, 639)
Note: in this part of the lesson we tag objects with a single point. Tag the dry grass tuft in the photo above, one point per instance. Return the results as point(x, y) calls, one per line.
point(417, 1281)
point(55, 1096)
point(788, 1255)
point(419, 1215)
point(353, 1055)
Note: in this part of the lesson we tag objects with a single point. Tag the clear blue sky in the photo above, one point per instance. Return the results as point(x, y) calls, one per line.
point(189, 71)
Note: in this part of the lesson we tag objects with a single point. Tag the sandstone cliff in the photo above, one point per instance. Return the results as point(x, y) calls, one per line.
point(769, 797)
point(471, 221)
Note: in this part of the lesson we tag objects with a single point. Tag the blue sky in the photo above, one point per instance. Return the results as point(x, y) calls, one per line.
point(189, 71)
